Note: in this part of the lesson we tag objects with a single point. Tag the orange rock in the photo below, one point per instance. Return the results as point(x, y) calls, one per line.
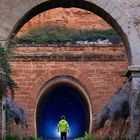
point(68, 17)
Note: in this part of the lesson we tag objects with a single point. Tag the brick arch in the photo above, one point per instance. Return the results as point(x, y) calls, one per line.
point(59, 72)
point(36, 92)
point(109, 10)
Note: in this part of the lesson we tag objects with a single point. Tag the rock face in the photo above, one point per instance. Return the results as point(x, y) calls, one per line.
point(68, 17)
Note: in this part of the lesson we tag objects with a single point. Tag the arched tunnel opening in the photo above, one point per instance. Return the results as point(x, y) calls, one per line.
point(62, 99)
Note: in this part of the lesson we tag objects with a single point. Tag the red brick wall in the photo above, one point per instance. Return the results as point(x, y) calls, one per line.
point(99, 78)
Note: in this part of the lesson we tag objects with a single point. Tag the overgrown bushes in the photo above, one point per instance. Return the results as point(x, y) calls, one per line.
point(54, 34)
point(8, 137)
point(5, 69)
point(88, 136)
point(31, 138)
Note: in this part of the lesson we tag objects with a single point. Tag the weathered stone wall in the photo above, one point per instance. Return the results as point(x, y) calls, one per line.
point(117, 13)
point(100, 76)
point(132, 9)
point(77, 18)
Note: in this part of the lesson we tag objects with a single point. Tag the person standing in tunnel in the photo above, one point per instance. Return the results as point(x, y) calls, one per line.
point(63, 127)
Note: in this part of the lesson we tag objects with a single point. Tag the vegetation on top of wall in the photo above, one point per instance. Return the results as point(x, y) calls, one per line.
point(57, 35)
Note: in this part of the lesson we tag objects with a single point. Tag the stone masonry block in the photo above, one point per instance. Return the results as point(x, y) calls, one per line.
point(116, 13)
point(4, 30)
point(32, 3)
point(123, 20)
point(100, 3)
point(133, 36)
point(110, 6)
point(24, 6)
point(135, 56)
point(126, 28)
point(39, 1)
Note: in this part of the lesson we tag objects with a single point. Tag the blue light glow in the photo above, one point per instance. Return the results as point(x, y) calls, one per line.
point(62, 100)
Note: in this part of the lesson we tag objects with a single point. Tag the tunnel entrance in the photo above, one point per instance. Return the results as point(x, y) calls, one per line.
point(62, 99)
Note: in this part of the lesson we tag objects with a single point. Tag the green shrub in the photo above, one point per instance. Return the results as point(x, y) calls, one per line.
point(106, 138)
point(9, 137)
point(87, 136)
point(31, 138)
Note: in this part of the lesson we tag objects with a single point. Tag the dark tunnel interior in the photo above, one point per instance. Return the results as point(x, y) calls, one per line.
point(62, 99)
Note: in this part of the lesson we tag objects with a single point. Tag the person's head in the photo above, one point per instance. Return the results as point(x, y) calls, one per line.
point(63, 117)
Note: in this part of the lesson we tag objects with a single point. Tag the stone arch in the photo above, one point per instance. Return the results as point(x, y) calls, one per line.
point(109, 10)
point(80, 82)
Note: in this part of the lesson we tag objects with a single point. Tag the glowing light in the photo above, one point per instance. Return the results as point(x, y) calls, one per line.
point(57, 134)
